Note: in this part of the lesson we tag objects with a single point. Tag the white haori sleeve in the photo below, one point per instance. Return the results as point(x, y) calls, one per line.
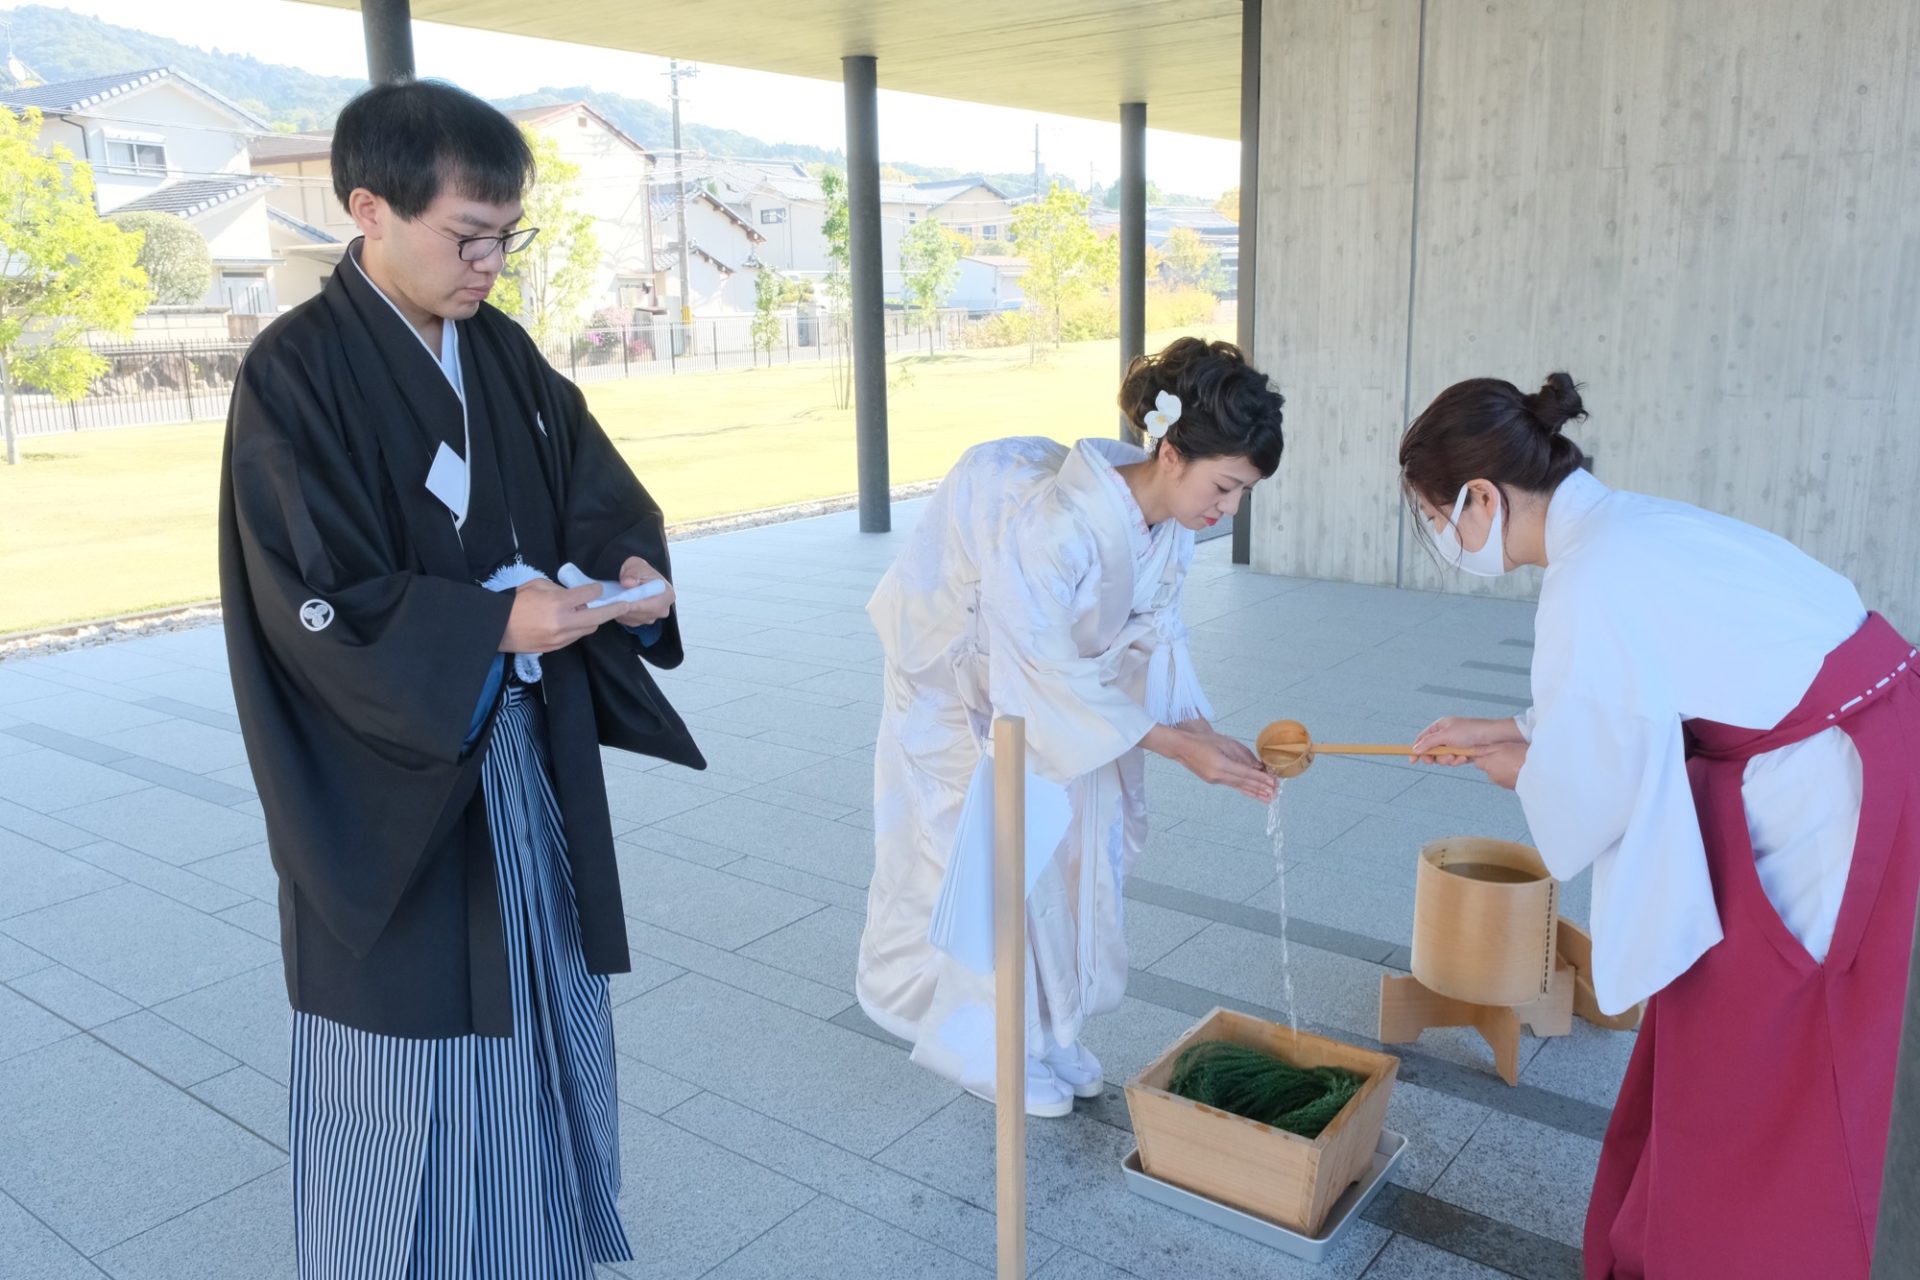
point(1605, 785)
point(1041, 578)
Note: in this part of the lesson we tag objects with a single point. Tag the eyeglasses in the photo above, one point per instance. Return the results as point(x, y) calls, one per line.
point(480, 248)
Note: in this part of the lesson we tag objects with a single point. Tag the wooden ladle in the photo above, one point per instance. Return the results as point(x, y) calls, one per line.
point(1288, 749)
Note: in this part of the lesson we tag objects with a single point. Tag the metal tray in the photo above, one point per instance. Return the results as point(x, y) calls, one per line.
point(1311, 1248)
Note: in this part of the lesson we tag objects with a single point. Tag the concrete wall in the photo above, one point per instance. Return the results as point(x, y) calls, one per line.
point(1709, 213)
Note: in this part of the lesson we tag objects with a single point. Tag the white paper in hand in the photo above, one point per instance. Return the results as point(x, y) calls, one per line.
point(962, 923)
point(611, 592)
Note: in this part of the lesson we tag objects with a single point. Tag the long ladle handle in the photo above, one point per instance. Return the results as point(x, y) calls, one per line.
point(1382, 749)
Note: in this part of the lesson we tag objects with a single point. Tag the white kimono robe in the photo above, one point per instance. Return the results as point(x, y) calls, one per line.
point(1032, 587)
point(1651, 613)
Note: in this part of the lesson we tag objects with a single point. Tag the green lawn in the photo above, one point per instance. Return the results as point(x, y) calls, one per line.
point(109, 522)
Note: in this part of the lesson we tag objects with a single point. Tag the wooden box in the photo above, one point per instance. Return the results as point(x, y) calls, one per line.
point(1258, 1169)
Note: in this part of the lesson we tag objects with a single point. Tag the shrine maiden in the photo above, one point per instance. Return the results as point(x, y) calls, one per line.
point(1727, 737)
point(1045, 582)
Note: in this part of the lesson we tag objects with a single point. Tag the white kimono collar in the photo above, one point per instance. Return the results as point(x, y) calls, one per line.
point(1568, 510)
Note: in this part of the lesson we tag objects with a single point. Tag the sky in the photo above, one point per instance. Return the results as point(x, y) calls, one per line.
point(776, 108)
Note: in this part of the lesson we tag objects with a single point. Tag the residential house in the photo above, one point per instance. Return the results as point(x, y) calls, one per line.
point(785, 204)
point(973, 208)
point(986, 283)
point(616, 174)
point(160, 140)
point(1215, 229)
point(723, 271)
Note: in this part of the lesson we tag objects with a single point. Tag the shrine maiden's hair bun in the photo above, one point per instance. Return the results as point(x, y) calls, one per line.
point(1556, 403)
point(1206, 401)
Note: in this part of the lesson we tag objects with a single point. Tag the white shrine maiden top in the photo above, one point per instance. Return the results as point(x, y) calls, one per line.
point(1654, 612)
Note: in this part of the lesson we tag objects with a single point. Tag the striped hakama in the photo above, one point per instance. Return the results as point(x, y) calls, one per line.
point(473, 1157)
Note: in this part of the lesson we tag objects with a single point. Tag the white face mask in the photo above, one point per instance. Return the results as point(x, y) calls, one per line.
point(1490, 561)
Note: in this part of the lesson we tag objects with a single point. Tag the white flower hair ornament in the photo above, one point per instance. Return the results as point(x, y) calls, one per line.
point(1165, 412)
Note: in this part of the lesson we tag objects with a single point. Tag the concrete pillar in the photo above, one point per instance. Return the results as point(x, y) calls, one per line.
point(1249, 227)
point(868, 291)
point(1133, 241)
point(388, 29)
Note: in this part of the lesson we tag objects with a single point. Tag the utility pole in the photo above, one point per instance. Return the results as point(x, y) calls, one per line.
point(1036, 162)
point(676, 72)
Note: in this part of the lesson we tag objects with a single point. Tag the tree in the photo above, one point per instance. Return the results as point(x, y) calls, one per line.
point(547, 284)
point(1112, 197)
point(175, 257)
point(1228, 205)
point(930, 260)
point(64, 270)
point(768, 288)
point(839, 282)
point(1066, 258)
point(1192, 262)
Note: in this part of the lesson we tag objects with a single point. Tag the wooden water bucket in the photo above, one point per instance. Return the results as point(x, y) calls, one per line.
point(1254, 1167)
point(1485, 920)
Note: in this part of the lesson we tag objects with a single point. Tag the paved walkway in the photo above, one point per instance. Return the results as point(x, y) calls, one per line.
point(769, 1129)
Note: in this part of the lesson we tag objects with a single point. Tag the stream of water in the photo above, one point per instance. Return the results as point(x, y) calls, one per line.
point(1277, 836)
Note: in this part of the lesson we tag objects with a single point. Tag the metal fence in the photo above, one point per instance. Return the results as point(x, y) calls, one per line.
point(151, 384)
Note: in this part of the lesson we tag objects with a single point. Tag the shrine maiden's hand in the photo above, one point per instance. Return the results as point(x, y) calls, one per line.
point(640, 613)
point(1502, 764)
point(1463, 731)
point(547, 617)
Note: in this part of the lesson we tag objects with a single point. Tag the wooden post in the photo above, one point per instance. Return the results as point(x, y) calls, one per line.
point(1010, 991)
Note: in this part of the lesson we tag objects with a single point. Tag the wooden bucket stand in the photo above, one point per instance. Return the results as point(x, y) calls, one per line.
point(1407, 1008)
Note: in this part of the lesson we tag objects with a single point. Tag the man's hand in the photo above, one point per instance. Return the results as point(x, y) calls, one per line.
point(546, 617)
point(640, 613)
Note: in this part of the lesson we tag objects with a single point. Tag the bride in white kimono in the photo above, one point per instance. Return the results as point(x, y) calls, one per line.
point(1045, 582)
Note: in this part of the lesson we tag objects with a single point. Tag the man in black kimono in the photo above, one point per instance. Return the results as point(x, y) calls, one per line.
point(424, 709)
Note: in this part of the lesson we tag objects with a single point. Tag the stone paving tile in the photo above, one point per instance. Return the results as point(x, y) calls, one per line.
point(914, 1207)
point(66, 994)
point(101, 1150)
point(829, 1082)
point(164, 878)
point(167, 825)
point(1070, 1264)
point(51, 832)
point(25, 1025)
point(17, 959)
point(163, 1048)
point(1405, 1259)
point(650, 1089)
point(1588, 1064)
point(1436, 1125)
point(742, 973)
point(828, 1240)
point(824, 946)
point(689, 1205)
point(702, 903)
point(245, 1016)
point(47, 781)
point(1524, 1173)
point(141, 945)
point(250, 870)
point(200, 748)
point(89, 715)
point(1076, 1193)
point(34, 876)
point(830, 892)
point(31, 1249)
point(246, 1234)
point(249, 1099)
point(815, 845)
